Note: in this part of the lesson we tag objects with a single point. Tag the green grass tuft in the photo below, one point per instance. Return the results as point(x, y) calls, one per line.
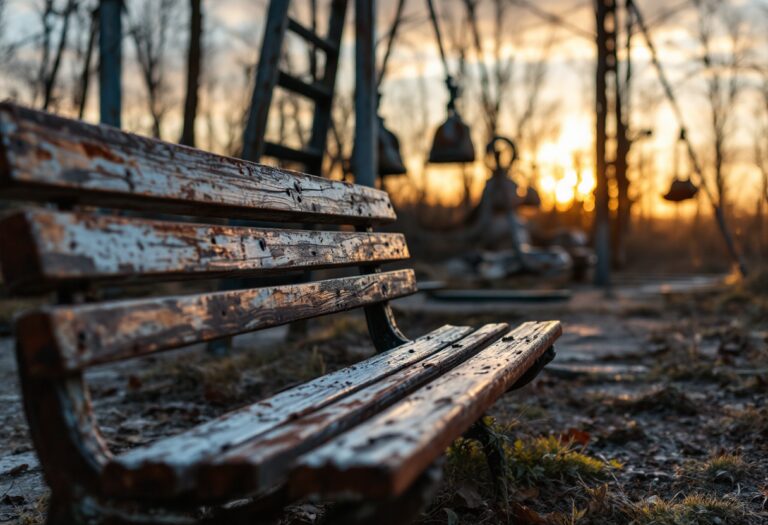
point(719, 468)
point(531, 461)
point(544, 459)
point(695, 509)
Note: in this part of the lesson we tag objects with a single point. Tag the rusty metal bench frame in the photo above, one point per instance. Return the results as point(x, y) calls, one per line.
point(74, 245)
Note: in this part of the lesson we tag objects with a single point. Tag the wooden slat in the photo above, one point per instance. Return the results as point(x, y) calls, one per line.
point(45, 157)
point(68, 338)
point(262, 463)
point(167, 467)
point(384, 455)
point(310, 36)
point(314, 91)
point(41, 249)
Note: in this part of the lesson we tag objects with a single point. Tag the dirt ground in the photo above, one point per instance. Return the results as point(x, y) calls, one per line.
point(654, 411)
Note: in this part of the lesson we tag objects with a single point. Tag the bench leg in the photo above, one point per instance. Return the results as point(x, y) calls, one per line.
point(493, 448)
point(534, 371)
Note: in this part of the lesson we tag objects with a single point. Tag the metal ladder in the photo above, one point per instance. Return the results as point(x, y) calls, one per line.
point(269, 75)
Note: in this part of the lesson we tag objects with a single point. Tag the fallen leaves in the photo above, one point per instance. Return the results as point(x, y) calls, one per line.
point(574, 435)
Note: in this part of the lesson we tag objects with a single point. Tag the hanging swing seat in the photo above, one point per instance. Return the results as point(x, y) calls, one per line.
point(681, 190)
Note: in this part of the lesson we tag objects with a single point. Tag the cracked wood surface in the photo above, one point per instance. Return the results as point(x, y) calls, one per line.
point(262, 463)
point(41, 249)
point(170, 467)
point(70, 338)
point(50, 158)
point(384, 455)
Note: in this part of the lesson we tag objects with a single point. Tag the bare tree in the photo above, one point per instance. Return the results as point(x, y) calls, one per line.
point(3, 49)
point(87, 19)
point(46, 14)
point(760, 137)
point(533, 117)
point(495, 80)
point(760, 152)
point(193, 72)
point(151, 27)
point(49, 78)
point(510, 87)
point(341, 136)
point(723, 81)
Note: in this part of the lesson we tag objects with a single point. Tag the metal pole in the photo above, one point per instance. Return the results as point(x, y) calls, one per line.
point(602, 211)
point(110, 61)
point(365, 160)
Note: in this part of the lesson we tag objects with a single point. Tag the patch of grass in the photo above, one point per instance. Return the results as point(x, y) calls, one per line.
point(220, 379)
point(545, 459)
point(315, 366)
point(731, 464)
point(533, 412)
point(247, 374)
point(340, 327)
point(750, 423)
point(695, 509)
point(531, 461)
point(667, 398)
point(719, 468)
point(466, 462)
point(694, 370)
point(757, 282)
point(747, 298)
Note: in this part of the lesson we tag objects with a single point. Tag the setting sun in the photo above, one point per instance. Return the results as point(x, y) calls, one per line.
point(566, 175)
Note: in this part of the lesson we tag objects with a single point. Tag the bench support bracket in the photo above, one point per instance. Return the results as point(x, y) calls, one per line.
point(382, 327)
point(535, 369)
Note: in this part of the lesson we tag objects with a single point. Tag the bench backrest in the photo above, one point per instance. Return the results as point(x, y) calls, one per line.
point(87, 175)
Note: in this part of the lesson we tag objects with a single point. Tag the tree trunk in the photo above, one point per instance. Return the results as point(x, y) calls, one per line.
point(602, 234)
point(85, 76)
point(50, 80)
point(193, 72)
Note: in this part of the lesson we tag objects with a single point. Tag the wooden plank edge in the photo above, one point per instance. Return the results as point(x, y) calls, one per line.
point(313, 475)
point(154, 472)
point(34, 262)
point(65, 346)
point(262, 463)
point(14, 117)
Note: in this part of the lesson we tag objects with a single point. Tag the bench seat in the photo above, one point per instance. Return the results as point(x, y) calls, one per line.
point(407, 390)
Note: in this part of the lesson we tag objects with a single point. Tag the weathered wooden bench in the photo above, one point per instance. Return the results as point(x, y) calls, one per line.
point(372, 430)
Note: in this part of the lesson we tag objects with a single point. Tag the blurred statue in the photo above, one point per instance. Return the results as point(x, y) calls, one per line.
point(498, 228)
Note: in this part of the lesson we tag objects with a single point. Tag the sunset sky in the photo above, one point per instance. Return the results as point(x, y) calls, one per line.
point(414, 95)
